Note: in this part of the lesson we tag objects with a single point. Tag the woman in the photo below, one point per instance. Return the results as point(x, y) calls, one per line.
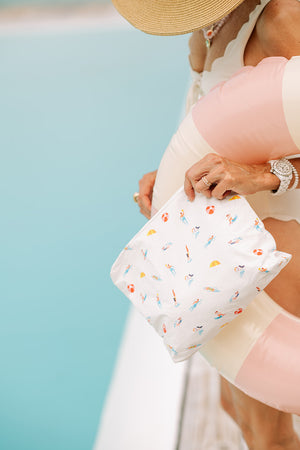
point(252, 31)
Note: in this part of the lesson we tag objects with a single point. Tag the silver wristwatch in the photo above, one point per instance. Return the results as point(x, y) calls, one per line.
point(284, 170)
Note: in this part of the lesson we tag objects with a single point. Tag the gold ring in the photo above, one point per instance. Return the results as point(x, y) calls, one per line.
point(206, 182)
point(136, 197)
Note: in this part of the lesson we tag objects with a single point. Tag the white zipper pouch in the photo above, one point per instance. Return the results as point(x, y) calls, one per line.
point(195, 266)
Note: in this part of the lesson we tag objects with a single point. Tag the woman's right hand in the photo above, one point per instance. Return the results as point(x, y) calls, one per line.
point(146, 184)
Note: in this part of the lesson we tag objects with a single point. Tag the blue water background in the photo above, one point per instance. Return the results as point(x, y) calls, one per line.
point(83, 115)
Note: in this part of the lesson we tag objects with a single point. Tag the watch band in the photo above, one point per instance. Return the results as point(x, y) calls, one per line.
point(296, 181)
point(284, 170)
point(296, 175)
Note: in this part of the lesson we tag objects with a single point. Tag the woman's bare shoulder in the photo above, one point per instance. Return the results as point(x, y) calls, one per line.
point(278, 28)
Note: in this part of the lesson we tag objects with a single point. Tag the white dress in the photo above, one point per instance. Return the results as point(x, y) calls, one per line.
point(204, 423)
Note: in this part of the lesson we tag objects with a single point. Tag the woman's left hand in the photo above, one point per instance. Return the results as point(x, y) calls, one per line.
point(222, 176)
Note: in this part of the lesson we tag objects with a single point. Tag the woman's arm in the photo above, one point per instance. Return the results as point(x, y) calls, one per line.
point(277, 32)
point(278, 28)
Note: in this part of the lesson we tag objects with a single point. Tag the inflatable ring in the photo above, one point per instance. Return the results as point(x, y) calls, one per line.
point(258, 351)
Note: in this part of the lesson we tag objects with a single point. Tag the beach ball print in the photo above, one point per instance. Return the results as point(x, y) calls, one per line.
point(131, 288)
point(165, 217)
point(210, 209)
point(258, 251)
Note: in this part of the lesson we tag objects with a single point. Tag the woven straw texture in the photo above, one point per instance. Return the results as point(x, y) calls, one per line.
point(171, 17)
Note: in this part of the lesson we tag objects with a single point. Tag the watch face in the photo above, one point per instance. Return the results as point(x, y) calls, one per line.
point(283, 168)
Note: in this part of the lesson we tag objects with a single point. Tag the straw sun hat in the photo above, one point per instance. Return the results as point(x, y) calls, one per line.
point(168, 17)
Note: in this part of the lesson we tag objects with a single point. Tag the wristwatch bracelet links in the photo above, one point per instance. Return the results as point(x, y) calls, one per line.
point(284, 170)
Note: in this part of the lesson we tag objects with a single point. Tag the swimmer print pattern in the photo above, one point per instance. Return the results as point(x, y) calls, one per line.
point(195, 266)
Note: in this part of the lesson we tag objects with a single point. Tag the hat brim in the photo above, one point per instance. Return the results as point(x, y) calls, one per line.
point(171, 17)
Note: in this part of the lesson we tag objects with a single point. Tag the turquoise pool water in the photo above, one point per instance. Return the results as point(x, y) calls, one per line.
point(83, 116)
